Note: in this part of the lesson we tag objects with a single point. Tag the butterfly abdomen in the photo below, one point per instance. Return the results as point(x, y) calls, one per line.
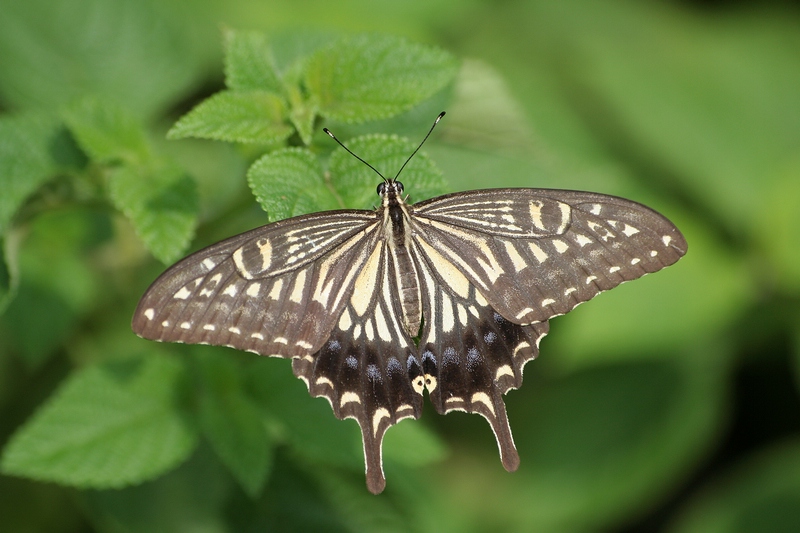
point(408, 288)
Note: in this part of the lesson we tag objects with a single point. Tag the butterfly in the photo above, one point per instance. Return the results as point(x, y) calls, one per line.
point(451, 295)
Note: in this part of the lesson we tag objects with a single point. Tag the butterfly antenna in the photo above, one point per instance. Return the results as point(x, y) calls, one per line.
point(326, 130)
point(435, 122)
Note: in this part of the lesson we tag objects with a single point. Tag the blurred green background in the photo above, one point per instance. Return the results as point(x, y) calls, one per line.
point(669, 404)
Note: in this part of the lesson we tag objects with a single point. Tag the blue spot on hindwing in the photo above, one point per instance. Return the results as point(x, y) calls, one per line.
point(373, 374)
point(474, 358)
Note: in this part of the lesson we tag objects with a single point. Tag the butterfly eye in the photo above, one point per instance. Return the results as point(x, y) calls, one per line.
point(398, 187)
point(381, 188)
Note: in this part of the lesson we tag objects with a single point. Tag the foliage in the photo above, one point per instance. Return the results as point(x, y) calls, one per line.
point(116, 425)
point(635, 394)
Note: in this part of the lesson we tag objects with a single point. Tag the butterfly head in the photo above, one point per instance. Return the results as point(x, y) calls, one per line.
point(391, 193)
point(390, 190)
point(390, 187)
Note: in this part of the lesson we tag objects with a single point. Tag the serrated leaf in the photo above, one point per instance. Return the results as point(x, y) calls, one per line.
point(108, 426)
point(236, 116)
point(288, 182)
point(161, 203)
point(233, 424)
point(249, 63)
point(25, 160)
point(292, 48)
point(107, 132)
point(355, 182)
point(303, 116)
point(368, 77)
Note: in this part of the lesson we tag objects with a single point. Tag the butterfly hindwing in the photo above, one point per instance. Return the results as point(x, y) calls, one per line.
point(470, 355)
point(367, 369)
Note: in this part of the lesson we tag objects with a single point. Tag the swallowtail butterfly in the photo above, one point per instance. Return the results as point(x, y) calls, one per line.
point(450, 295)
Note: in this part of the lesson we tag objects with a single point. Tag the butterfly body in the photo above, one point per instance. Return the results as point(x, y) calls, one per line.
point(451, 295)
point(397, 231)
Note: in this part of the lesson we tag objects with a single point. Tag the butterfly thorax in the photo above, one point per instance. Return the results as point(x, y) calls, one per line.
point(397, 240)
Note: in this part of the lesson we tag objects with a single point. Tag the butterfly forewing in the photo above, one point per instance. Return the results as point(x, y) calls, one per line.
point(537, 253)
point(276, 290)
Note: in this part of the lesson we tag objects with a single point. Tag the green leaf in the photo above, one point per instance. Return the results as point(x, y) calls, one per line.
point(108, 426)
point(292, 48)
point(232, 423)
point(249, 63)
point(107, 132)
point(215, 167)
point(355, 182)
point(761, 494)
point(161, 203)
point(368, 77)
point(288, 182)
point(303, 116)
point(236, 116)
point(25, 160)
